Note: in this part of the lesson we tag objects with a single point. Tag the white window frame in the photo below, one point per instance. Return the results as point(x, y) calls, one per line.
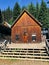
point(33, 36)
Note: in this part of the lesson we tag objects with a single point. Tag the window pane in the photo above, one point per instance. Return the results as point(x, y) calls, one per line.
point(17, 37)
point(33, 37)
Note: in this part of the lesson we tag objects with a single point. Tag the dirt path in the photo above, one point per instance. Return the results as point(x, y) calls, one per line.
point(22, 62)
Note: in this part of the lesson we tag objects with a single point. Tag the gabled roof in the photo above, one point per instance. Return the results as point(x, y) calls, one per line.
point(29, 15)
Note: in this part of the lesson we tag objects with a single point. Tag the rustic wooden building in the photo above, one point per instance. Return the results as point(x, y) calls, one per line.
point(26, 29)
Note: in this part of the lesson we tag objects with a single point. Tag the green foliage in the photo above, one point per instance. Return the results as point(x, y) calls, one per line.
point(24, 8)
point(37, 10)
point(48, 18)
point(1, 19)
point(4, 15)
point(40, 12)
point(7, 14)
point(43, 14)
point(31, 9)
point(11, 21)
point(16, 11)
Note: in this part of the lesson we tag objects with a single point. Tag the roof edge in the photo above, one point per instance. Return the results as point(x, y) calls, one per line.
point(29, 15)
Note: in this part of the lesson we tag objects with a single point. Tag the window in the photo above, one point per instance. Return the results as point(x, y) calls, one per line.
point(17, 37)
point(34, 37)
point(25, 33)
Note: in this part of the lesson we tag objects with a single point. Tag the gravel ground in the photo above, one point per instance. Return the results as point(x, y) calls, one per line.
point(22, 62)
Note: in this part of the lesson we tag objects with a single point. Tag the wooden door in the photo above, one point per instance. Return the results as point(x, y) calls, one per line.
point(25, 37)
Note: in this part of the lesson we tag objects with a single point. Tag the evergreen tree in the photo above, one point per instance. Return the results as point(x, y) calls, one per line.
point(11, 21)
point(4, 15)
point(37, 10)
point(24, 8)
point(1, 19)
point(7, 14)
point(16, 11)
point(31, 9)
point(43, 14)
point(48, 19)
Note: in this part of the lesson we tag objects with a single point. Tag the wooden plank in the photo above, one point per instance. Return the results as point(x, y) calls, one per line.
point(26, 56)
point(25, 52)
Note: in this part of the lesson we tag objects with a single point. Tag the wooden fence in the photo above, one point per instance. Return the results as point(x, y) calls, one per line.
point(47, 46)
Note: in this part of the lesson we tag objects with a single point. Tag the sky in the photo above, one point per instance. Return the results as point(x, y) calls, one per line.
point(5, 3)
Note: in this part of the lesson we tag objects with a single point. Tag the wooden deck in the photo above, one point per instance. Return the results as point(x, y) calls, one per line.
point(25, 51)
point(27, 45)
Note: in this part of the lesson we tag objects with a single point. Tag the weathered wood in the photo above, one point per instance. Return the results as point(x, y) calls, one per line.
point(26, 24)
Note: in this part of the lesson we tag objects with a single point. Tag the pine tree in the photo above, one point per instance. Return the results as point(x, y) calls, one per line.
point(43, 14)
point(7, 14)
point(1, 19)
point(16, 11)
point(48, 18)
point(31, 9)
point(4, 15)
point(37, 10)
point(24, 8)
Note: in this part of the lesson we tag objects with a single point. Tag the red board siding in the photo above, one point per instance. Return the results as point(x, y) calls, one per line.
point(26, 23)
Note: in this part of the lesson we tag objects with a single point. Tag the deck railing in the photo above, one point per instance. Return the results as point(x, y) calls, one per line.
point(47, 45)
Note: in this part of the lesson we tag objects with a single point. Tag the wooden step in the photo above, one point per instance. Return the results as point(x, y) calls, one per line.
point(26, 52)
point(22, 50)
point(28, 56)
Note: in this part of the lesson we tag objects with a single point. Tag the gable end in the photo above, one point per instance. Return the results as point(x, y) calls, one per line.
point(29, 15)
